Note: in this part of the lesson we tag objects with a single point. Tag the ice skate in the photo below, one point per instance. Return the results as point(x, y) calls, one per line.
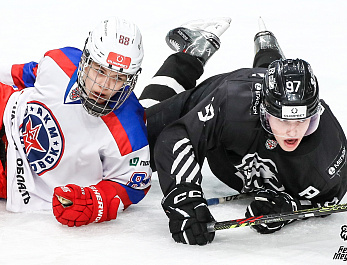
point(266, 47)
point(217, 26)
point(199, 38)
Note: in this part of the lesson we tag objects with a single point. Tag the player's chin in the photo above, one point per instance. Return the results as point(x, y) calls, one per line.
point(290, 144)
point(98, 100)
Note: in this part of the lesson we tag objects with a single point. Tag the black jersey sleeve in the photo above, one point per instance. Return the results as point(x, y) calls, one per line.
point(210, 118)
point(182, 146)
point(179, 72)
point(331, 159)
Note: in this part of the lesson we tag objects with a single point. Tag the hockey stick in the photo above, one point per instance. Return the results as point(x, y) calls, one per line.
point(278, 217)
point(215, 201)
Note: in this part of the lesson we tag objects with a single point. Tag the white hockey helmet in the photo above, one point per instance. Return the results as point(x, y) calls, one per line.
point(114, 48)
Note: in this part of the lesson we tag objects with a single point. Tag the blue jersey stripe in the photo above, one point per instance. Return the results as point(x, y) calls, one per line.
point(134, 195)
point(28, 76)
point(131, 115)
point(73, 54)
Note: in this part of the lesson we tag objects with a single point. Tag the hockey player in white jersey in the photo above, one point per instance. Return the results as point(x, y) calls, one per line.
point(76, 132)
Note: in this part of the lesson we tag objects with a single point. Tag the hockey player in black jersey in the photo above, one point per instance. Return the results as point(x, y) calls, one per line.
point(262, 129)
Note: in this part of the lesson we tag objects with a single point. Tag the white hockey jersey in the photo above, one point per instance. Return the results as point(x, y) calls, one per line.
point(53, 141)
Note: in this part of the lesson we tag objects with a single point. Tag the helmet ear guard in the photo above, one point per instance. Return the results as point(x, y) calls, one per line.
point(290, 92)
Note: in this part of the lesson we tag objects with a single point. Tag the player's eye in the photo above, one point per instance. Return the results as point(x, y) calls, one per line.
point(102, 71)
point(122, 78)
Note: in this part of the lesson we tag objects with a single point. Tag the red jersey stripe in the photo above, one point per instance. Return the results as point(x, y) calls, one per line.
point(119, 134)
point(17, 74)
point(63, 61)
point(35, 70)
point(124, 196)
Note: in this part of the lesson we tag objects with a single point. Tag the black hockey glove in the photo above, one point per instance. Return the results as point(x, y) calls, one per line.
point(188, 215)
point(270, 202)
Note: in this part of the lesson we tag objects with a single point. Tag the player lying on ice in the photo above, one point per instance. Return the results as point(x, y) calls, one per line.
point(262, 129)
point(75, 128)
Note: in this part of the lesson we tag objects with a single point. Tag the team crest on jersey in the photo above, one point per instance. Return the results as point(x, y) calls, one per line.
point(71, 93)
point(270, 144)
point(257, 172)
point(74, 94)
point(42, 138)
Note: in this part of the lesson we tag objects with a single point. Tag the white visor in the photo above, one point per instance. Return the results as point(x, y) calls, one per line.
point(289, 128)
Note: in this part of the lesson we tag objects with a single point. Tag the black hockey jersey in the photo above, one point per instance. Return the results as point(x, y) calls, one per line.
point(219, 120)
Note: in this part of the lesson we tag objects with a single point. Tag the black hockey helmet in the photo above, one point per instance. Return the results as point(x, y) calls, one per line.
point(290, 91)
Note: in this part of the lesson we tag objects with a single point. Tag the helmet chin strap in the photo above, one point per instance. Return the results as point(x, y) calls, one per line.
point(94, 108)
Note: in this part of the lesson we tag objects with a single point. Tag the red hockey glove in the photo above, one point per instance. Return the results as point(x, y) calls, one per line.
point(75, 206)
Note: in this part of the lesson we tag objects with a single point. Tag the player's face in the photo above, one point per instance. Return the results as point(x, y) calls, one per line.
point(102, 83)
point(288, 133)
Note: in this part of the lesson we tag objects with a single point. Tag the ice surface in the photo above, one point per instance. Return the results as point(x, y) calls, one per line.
point(313, 30)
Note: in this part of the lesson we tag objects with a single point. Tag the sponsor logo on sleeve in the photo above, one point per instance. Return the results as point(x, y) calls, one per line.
point(134, 161)
point(335, 167)
point(256, 96)
point(138, 179)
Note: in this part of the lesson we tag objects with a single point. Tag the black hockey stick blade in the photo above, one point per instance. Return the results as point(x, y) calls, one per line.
point(279, 217)
point(215, 201)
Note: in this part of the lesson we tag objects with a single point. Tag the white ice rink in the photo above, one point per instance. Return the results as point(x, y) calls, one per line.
point(313, 30)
